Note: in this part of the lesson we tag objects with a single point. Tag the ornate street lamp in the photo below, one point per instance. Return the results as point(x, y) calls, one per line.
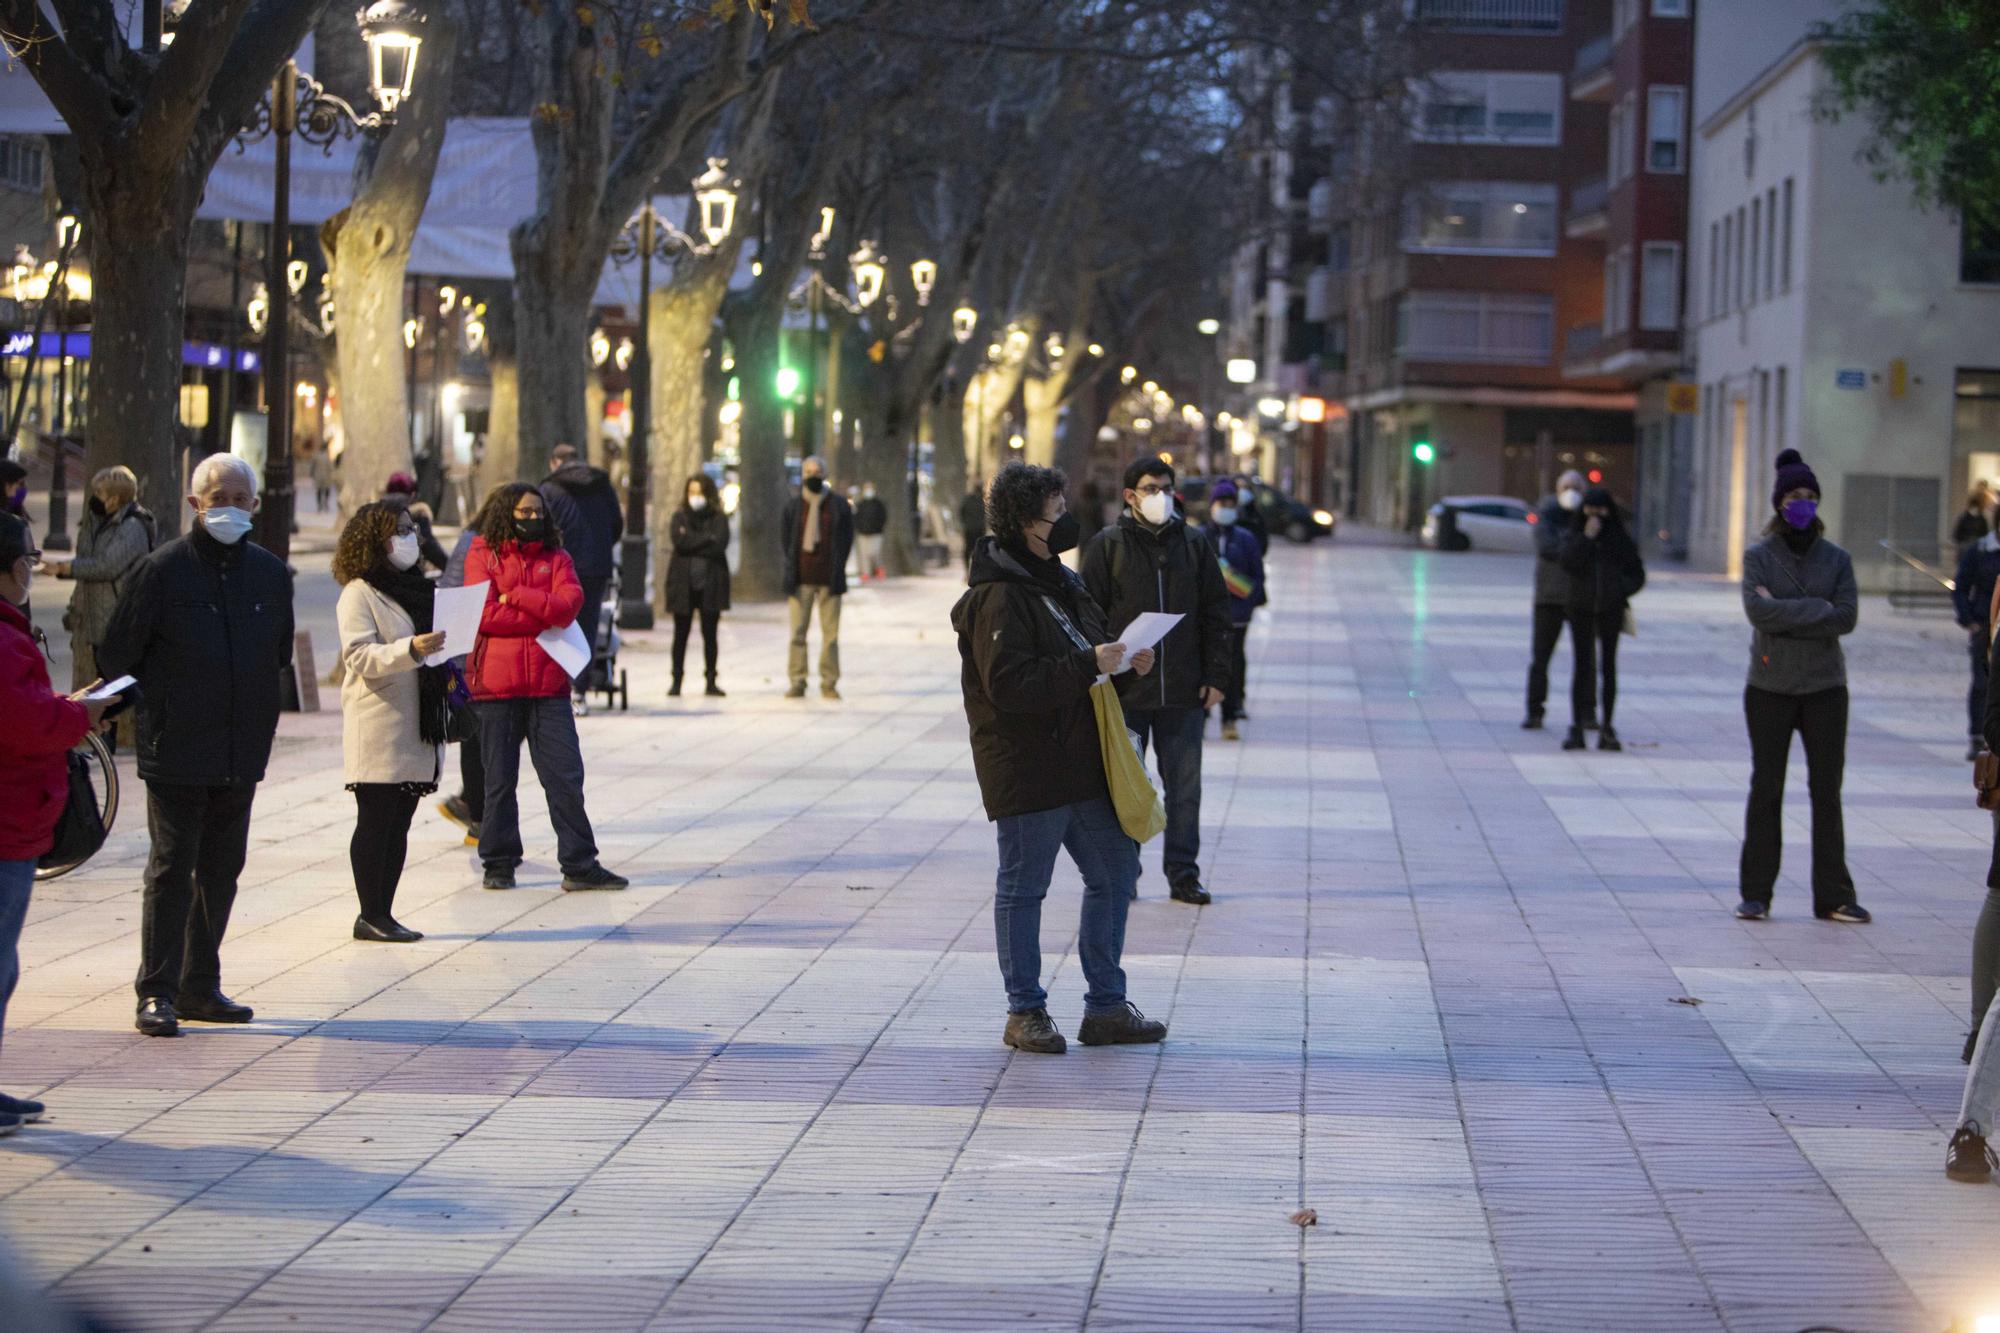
point(823, 235)
point(412, 330)
point(296, 274)
point(1127, 375)
point(258, 312)
point(869, 273)
point(715, 195)
point(392, 30)
point(923, 276)
point(1054, 347)
point(600, 347)
point(964, 321)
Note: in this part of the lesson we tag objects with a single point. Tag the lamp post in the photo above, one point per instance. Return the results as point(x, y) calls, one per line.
point(299, 104)
point(645, 236)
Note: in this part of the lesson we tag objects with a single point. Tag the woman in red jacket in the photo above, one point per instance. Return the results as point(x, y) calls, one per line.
point(520, 693)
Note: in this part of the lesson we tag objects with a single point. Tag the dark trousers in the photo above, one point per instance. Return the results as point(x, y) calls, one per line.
point(1239, 669)
point(201, 837)
point(1594, 638)
point(1549, 621)
point(382, 812)
point(587, 619)
point(471, 769)
point(550, 731)
point(1177, 733)
point(1975, 698)
point(1821, 721)
point(17, 883)
point(711, 625)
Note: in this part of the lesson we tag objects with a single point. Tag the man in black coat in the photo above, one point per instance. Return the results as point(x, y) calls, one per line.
point(1152, 560)
point(871, 520)
point(817, 533)
point(205, 623)
point(584, 505)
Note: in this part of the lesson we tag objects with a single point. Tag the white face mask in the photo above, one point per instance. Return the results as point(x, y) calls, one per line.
point(1570, 499)
point(1157, 508)
point(1224, 514)
point(697, 502)
point(404, 550)
point(226, 524)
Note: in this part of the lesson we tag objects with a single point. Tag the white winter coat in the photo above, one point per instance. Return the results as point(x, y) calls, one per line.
point(378, 693)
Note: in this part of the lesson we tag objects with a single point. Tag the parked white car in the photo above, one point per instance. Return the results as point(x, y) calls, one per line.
point(1480, 523)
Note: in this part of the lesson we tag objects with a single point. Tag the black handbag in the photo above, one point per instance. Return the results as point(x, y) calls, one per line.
point(80, 831)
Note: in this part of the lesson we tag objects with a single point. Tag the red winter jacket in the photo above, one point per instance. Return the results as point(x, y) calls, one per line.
point(542, 594)
point(41, 727)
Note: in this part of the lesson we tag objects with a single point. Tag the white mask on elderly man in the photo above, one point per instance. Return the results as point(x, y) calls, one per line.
point(404, 550)
point(226, 523)
point(1571, 499)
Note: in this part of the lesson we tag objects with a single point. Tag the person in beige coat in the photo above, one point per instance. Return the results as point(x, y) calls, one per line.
point(116, 534)
point(393, 707)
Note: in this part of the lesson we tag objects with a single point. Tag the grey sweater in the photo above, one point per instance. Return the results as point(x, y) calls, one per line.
point(1795, 639)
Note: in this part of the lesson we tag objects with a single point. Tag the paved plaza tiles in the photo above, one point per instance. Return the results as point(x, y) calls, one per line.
point(1442, 998)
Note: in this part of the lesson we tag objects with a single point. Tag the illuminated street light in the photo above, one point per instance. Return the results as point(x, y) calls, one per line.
point(412, 330)
point(1096, 350)
point(1054, 347)
point(1241, 370)
point(600, 347)
point(824, 234)
point(715, 196)
point(622, 358)
point(475, 334)
point(869, 274)
point(447, 298)
point(390, 29)
point(259, 310)
point(1127, 375)
point(964, 321)
point(923, 276)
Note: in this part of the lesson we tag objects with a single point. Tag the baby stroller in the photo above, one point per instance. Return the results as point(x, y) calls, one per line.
point(604, 675)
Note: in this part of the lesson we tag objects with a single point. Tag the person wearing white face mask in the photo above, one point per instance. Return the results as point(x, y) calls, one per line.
point(205, 623)
point(1552, 520)
point(698, 576)
point(393, 708)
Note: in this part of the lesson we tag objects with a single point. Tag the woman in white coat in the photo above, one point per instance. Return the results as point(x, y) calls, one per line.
point(393, 708)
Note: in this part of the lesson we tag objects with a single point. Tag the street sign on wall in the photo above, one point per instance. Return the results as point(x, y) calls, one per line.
point(1683, 399)
point(1850, 379)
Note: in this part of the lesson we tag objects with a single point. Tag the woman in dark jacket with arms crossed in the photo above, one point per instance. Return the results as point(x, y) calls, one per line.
point(698, 576)
point(1604, 570)
point(1032, 643)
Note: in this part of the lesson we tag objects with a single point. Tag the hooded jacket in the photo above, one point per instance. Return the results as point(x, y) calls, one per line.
point(1027, 683)
point(1131, 568)
point(41, 727)
point(542, 594)
point(584, 505)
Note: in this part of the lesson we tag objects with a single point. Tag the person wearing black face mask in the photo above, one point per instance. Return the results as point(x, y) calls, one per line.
point(1031, 644)
point(818, 534)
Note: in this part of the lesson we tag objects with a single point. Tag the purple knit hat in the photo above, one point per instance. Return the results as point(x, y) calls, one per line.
point(1792, 474)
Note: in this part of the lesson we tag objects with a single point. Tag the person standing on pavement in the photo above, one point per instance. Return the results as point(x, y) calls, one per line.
point(1605, 572)
point(1153, 561)
point(468, 807)
point(520, 693)
point(817, 532)
point(1250, 516)
point(393, 709)
point(871, 520)
point(584, 507)
point(1972, 599)
point(205, 624)
point(1976, 520)
point(319, 468)
point(698, 576)
point(1031, 643)
point(972, 522)
point(34, 768)
point(1243, 575)
point(116, 534)
point(1551, 610)
point(1800, 597)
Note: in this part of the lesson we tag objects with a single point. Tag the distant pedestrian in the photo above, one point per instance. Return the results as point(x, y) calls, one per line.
point(1799, 594)
point(1551, 610)
point(698, 577)
point(319, 468)
point(972, 521)
point(41, 727)
point(401, 489)
point(1153, 561)
point(1243, 575)
point(1250, 514)
point(584, 507)
point(1976, 520)
point(1972, 598)
point(520, 692)
point(1031, 643)
point(1605, 573)
point(871, 520)
point(817, 533)
point(116, 533)
point(205, 623)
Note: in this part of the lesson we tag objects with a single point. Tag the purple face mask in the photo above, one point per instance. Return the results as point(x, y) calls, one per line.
point(1800, 513)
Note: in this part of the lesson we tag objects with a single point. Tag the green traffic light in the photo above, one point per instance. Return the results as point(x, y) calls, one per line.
point(1422, 452)
point(788, 382)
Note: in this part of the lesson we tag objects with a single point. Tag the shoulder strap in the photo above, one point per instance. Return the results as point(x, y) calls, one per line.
point(1068, 625)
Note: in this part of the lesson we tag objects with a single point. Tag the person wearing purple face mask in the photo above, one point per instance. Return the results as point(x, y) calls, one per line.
point(1800, 597)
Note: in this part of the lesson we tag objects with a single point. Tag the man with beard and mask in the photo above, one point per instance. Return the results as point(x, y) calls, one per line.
point(1552, 523)
point(1152, 560)
point(205, 623)
point(584, 507)
point(818, 534)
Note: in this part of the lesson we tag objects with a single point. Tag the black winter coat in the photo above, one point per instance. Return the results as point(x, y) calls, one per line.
point(871, 516)
point(207, 629)
point(700, 560)
point(1605, 571)
point(1027, 684)
point(836, 522)
point(1129, 569)
point(585, 506)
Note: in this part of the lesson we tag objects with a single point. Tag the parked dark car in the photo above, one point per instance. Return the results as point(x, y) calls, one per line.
point(1283, 515)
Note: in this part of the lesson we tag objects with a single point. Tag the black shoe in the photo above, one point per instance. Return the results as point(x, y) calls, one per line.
point(1573, 741)
point(674, 690)
point(1850, 914)
point(214, 1007)
point(1590, 723)
point(1123, 1026)
point(21, 1106)
point(593, 877)
point(1752, 910)
point(157, 1018)
point(458, 812)
point(1607, 739)
point(1532, 722)
point(1968, 1159)
point(388, 930)
point(1034, 1032)
point(1189, 891)
point(499, 877)
point(714, 691)
point(9, 1124)
point(1971, 1042)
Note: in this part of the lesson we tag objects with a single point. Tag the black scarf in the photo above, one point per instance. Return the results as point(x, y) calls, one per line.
point(417, 596)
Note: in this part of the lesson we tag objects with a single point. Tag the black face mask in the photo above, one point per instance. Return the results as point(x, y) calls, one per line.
point(97, 507)
point(530, 529)
point(1064, 534)
point(815, 484)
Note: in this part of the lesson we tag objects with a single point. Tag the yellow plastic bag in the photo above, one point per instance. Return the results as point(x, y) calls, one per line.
point(1141, 813)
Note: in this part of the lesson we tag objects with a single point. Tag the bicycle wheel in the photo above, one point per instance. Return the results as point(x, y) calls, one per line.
point(105, 778)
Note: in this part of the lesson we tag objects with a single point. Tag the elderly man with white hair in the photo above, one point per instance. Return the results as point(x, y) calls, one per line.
point(205, 623)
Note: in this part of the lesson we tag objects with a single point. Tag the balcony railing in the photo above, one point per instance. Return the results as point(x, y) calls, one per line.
point(1593, 56)
point(1491, 15)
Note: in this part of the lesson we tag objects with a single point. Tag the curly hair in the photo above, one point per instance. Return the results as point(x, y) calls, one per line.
point(495, 520)
point(364, 542)
point(704, 483)
point(1017, 497)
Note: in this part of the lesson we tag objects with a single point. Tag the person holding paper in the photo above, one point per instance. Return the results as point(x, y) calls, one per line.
point(1152, 560)
point(520, 693)
point(393, 708)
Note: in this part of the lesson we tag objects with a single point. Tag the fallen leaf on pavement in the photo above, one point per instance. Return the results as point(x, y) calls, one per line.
point(1305, 1217)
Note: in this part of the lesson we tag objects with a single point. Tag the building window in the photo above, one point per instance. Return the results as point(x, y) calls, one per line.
point(1491, 15)
point(1778, 436)
point(21, 163)
point(1728, 263)
point(1665, 110)
point(1481, 217)
point(1660, 285)
point(1616, 136)
point(1670, 9)
point(1978, 254)
point(1498, 327)
point(1714, 269)
point(1756, 248)
point(1474, 106)
point(1618, 291)
point(1770, 242)
point(1785, 270)
point(1742, 244)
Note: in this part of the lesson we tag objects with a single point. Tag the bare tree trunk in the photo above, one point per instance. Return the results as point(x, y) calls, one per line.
point(683, 326)
point(552, 330)
point(502, 460)
point(1043, 399)
point(765, 488)
point(948, 438)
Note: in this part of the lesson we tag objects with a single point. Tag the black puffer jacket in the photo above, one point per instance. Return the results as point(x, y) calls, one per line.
point(207, 629)
point(700, 560)
point(585, 506)
point(1605, 571)
point(1130, 568)
point(1027, 683)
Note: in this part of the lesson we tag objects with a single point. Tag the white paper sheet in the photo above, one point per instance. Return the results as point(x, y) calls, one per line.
point(457, 612)
point(568, 647)
point(111, 689)
point(1145, 632)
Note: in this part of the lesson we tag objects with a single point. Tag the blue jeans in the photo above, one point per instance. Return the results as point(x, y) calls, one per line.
point(550, 730)
point(17, 880)
point(1110, 864)
point(1177, 733)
